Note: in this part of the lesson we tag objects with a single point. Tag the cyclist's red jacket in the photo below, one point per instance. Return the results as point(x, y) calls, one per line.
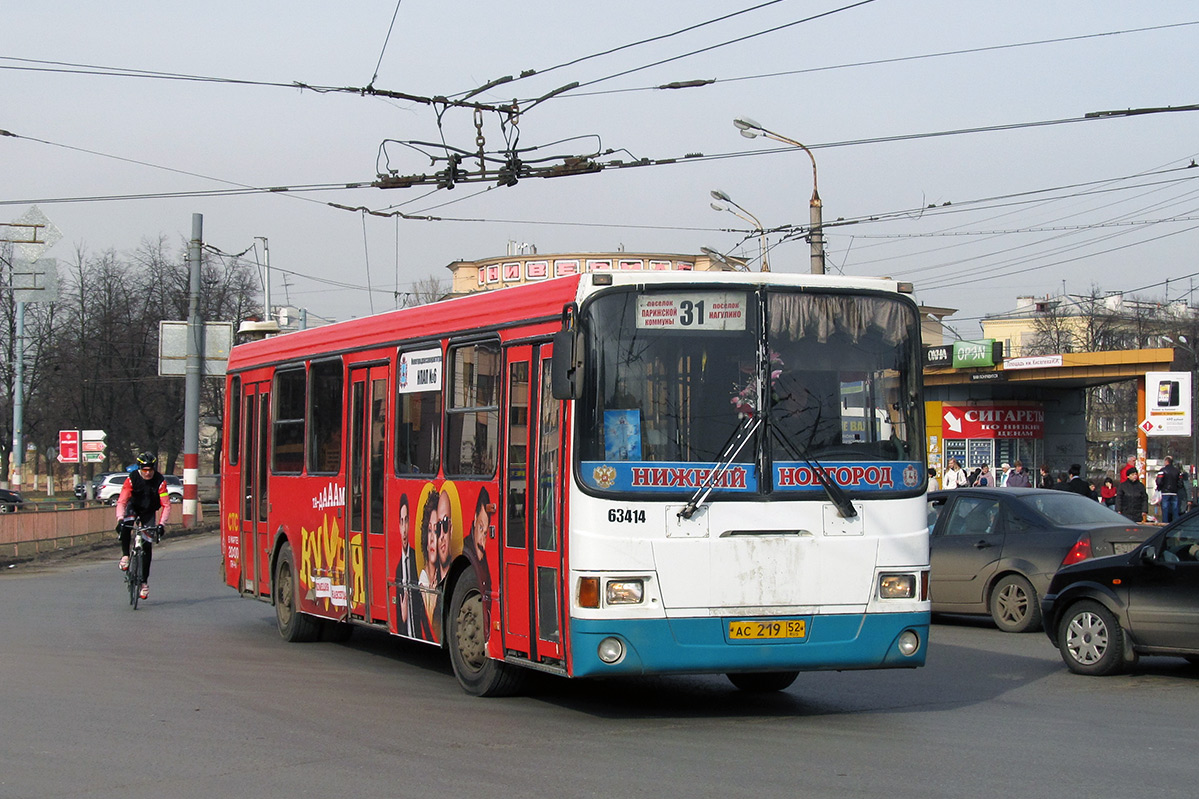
point(139, 497)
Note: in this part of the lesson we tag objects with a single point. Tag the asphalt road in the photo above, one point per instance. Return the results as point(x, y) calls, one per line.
point(195, 695)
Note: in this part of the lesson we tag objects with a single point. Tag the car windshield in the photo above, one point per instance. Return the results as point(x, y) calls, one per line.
point(1068, 508)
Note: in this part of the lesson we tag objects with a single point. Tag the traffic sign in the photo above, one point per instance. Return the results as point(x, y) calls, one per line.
point(68, 446)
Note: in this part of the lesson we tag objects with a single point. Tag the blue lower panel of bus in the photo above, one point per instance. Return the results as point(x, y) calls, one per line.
point(697, 645)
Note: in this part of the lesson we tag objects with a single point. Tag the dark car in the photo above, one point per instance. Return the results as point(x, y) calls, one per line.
point(1104, 614)
point(994, 550)
point(10, 500)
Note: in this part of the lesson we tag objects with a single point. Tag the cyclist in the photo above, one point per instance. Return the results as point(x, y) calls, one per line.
point(142, 496)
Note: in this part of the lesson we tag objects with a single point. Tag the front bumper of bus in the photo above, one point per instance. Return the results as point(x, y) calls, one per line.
point(703, 645)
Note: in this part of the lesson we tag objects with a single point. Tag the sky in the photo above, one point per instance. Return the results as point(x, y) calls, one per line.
point(952, 142)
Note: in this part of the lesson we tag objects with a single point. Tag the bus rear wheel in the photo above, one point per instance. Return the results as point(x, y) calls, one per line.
point(294, 626)
point(760, 682)
point(478, 674)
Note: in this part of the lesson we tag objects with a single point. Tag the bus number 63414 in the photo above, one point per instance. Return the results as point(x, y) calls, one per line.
point(626, 515)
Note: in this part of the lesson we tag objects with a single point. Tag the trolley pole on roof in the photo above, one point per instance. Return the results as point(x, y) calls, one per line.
point(191, 386)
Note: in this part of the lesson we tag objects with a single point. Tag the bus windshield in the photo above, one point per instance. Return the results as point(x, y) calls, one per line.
point(673, 375)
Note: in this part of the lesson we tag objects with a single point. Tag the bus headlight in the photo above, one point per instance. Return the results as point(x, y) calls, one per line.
point(896, 586)
point(624, 592)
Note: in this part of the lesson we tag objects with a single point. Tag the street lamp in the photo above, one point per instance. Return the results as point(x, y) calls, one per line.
point(717, 194)
point(736, 264)
point(751, 130)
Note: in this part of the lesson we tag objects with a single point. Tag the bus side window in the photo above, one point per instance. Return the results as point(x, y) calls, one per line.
point(325, 417)
point(290, 395)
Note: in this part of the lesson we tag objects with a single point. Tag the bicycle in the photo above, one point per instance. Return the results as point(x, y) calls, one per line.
point(134, 576)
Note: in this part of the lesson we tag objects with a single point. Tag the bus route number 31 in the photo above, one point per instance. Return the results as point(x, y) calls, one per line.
point(626, 516)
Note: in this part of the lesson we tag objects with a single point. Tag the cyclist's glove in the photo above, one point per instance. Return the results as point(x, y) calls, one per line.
point(122, 526)
point(162, 531)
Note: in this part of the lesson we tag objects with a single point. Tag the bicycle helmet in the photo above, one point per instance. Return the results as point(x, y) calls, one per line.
point(146, 460)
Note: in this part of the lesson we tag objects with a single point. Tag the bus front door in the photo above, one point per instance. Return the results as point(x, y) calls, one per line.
point(366, 556)
point(255, 542)
point(532, 550)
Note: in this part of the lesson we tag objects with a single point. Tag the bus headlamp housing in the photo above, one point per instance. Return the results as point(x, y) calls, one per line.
point(896, 586)
point(624, 592)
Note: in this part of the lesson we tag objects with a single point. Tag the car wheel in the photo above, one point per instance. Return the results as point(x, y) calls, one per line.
point(5, 507)
point(1091, 640)
point(760, 682)
point(1014, 605)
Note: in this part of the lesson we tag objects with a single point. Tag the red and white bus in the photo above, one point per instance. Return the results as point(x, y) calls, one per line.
point(602, 474)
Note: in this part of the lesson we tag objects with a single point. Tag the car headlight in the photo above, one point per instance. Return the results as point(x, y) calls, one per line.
point(896, 586)
point(624, 592)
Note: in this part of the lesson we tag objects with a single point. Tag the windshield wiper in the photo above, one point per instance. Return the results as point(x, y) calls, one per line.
point(742, 433)
point(836, 493)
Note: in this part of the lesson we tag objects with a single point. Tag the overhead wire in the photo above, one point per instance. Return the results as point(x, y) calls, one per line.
point(528, 73)
point(706, 49)
point(881, 61)
point(386, 39)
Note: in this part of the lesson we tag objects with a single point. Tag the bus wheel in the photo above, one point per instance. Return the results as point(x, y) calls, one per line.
point(760, 682)
point(478, 674)
point(293, 625)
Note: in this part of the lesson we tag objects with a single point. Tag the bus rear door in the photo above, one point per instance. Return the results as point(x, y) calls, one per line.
point(532, 552)
point(255, 542)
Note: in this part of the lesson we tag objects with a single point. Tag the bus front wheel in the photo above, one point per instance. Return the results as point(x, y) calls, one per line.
point(478, 674)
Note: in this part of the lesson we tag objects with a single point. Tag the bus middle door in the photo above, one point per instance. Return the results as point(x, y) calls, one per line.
point(532, 551)
point(366, 558)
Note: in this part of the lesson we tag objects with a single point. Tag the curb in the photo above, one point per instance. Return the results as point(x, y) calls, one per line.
point(96, 543)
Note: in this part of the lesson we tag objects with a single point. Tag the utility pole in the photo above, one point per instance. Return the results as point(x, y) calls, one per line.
point(38, 288)
point(191, 389)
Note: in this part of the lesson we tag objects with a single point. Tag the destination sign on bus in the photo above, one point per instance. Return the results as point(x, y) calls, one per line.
point(706, 311)
point(420, 371)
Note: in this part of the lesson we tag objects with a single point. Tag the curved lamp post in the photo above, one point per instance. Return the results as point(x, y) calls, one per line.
point(751, 130)
point(717, 194)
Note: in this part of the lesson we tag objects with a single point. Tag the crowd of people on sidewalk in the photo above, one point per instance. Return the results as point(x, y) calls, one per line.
point(1129, 496)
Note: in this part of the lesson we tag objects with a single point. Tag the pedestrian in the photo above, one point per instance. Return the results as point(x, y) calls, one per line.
point(984, 479)
point(1045, 479)
point(1005, 471)
point(954, 477)
point(933, 483)
point(1076, 484)
point(1169, 480)
point(1018, 477)
point(1128, 466)
point(1132, 501)
point(1107, 492)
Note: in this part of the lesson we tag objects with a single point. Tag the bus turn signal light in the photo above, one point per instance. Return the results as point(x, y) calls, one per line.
point(589, 592)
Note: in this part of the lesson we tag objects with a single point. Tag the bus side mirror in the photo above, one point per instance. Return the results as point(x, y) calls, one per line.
point(564, 367)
